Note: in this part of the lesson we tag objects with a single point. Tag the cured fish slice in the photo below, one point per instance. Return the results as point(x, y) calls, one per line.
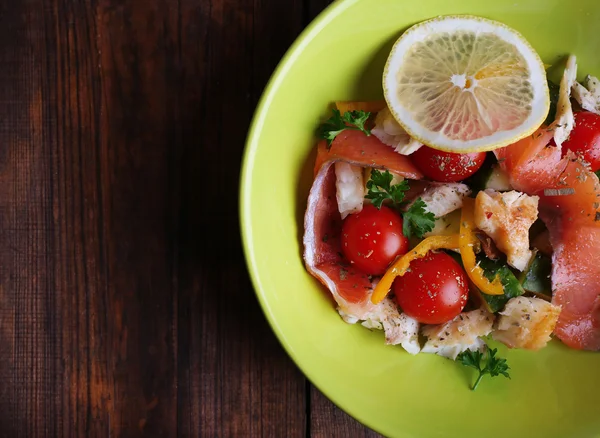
point(575, 280)
point(322, 222)
point(322, 248)
point(565, 185)
point(350, 288)
point(357, 148)
point(570, 206)
point(521, 161)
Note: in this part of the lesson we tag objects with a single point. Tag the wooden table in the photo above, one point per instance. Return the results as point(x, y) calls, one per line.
point(125, 305)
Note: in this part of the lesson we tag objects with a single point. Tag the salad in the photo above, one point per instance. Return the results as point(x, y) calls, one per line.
point(466, 205)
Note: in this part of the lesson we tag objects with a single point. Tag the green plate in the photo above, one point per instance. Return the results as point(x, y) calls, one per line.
point(553, 393)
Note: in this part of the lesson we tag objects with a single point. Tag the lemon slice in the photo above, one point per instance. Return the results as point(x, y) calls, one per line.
point(465, 84)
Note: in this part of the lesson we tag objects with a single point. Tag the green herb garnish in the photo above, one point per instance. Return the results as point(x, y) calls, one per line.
point(598, 173)
point(417, 220)
point(380, 188)
point(494, 366)
point(536, 277)
point(510, 284)
point(337, 123)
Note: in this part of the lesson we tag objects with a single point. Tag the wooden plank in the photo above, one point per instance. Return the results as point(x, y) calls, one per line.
point(89, 193)
point(329, 421)
point(29, 355)
point(139, 156)
point(234, 378)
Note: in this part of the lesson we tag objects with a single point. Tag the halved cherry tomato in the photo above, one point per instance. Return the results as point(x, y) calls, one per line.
point(434, 290)
point(446, 166)
point(373, 238)
point(585, 138)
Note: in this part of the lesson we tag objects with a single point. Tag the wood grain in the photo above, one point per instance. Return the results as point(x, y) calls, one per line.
point(125, 306)
point(236, 378)
point(328, 421)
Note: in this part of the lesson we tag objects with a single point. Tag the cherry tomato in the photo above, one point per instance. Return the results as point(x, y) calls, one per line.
point(373, 238)
point(585, 138)
point(434, 290)
point(446, 166)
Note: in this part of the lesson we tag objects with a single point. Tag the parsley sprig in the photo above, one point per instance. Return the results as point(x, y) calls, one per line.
point(337, 123)
point(380, 188)
point(494, 366)
point(417, 220)
point(598, 173)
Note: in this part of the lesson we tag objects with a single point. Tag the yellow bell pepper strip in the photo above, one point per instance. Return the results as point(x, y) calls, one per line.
point(468, 242)
point(400, 266)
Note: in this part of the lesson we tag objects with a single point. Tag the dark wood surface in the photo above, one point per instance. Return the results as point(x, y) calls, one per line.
point(125, 305)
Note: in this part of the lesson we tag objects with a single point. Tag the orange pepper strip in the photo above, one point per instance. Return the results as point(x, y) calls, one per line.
point(468, 241)
point(401, 265)
point(372, 106)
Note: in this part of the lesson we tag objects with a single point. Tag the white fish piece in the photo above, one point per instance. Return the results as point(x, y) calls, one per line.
point(445, 198)
point(584, 98)
point(564, 120)
point(445, 201)
point(506, 217)
point(398, 327)
point(348, 318)
point(389, 132)
point(588, 94)
point(350, 191)
point(592, 83)
point(526, 323)
point(460, 334)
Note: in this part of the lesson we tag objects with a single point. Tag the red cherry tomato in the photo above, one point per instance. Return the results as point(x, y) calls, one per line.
point(585, 138)
point(434, 290)
point(446, 166)
point(373, 238)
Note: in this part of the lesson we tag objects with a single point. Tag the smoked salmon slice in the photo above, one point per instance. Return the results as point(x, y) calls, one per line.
point(576, 278)
point(322, 248)
point(359, 149)
point(322, 222)
point(570, 207)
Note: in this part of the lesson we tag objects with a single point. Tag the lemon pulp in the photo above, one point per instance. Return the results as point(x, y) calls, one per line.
point(464, 83)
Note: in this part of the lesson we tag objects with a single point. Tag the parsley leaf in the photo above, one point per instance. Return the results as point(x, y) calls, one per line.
point(337, 123)
point(358, 119)
point(598, 173)
point(494, 366)
point(471, 358)
point(380, 188)
point(417, 220)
